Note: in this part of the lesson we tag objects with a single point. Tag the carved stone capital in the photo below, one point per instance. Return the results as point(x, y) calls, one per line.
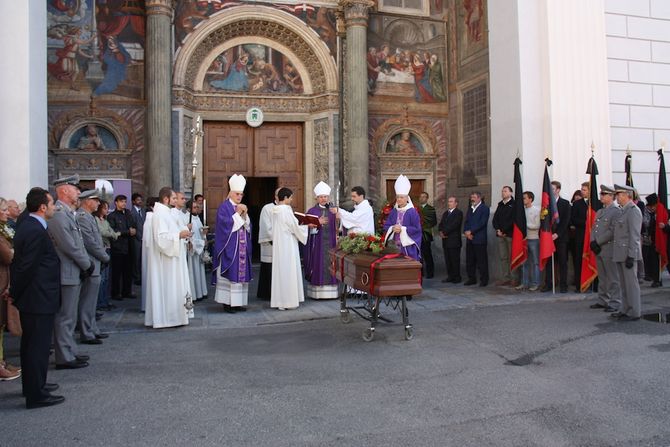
point(356, 11)
point(159, 7)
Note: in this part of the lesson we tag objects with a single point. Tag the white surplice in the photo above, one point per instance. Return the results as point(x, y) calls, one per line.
point(360, 220)
point(265, 232)
point(287, 287)
point(196, 268)
point(167, 280)
point(147, 244)
point(182, 220)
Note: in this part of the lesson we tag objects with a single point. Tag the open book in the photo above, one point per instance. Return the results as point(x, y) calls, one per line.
point(306, 219)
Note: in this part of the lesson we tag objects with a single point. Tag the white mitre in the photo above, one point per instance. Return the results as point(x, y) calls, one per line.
point(237, 183)
point(402, 185)
point(322, 189)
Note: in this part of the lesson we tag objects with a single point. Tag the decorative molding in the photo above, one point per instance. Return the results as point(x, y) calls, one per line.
point(159, 7)
point(356, 12)
point(321, 149)
point(422, 129)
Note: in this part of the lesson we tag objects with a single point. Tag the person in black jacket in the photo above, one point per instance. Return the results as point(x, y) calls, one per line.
point(503, 223)
point(35, 287)
point(578, 215)
point(122, 222)
point(560, 236)
point(450, 232)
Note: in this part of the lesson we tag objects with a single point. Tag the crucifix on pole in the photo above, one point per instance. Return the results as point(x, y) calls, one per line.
point(197, 136)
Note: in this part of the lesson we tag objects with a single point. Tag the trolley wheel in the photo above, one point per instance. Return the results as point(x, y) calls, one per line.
point(368, 334)
point(409, 333)
point(345, 317)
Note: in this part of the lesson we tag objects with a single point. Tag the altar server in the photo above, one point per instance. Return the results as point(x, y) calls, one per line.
point(362, 218)
point(232, 249)
point(287, 289)
point(196, 267)
point(403, 224)
point(320, 283)
point(265, 241)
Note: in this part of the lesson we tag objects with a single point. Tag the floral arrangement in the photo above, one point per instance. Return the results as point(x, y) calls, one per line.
point(362, 242)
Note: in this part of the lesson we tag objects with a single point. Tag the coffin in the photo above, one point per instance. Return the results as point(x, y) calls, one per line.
point(375, 274)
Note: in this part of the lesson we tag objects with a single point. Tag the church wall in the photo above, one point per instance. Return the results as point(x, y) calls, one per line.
point(638, 53)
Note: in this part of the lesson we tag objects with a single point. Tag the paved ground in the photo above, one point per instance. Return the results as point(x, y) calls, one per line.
point(487, 367)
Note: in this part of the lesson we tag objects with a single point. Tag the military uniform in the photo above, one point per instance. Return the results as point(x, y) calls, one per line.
point(626, 252)
point(602, 233)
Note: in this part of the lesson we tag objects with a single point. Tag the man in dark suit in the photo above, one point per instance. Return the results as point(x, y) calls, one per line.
point(578, 215)
point(450, 232)
point(560, 236)
point(503, 223)
point(139, 215)
point(476, 256)
point(428, 221)
point(122, 222)
point(35, 287)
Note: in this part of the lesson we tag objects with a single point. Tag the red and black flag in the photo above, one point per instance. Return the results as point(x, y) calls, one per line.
point(628, 168)
point(519, 242)
point(548, 217)
point(662, 212)
point(589, 267)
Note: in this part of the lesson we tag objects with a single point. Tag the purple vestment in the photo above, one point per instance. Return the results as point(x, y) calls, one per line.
point(232, 251)
point(412, 221)
point(317, 263)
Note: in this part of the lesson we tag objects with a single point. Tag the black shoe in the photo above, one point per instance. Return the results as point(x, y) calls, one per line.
point(117, 298)
point(98, 316)
point(46, 402)
point(564, 290)
point(107, 307)
point(656, 284)
point(447, 280)
point(429, 276)
point(470, 282)
point(617, 315)
point(610, 309)
point(90, 341)
point(545, 289)
point(228, 309)
point(72, 365)
point(483, 284)
point(597, 306)
point(101, 336)
point(457, 280)
point(240, 309)
point(628, 318)
point(50, 387)
point(82, 358)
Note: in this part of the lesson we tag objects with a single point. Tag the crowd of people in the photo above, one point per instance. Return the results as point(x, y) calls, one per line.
point(65, 259)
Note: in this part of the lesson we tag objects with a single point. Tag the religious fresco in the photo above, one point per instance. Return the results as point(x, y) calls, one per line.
point(406, 58)
point(96, 50)
point(472, 28)
point(92, 138)
point(253, 68)
point(189, 13)
point(406, 143)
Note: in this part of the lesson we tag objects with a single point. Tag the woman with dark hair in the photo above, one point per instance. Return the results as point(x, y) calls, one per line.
point(108, 235)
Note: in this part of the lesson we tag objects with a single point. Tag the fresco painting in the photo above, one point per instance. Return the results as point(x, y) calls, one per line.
point(472, 28)
point(406, 143)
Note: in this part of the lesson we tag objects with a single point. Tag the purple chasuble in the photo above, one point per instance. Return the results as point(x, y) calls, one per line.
point(317, 262)
point(410, 219)
point(232, 250)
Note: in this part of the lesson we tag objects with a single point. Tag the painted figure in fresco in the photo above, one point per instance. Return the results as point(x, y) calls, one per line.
point(69, 7)
point(237, 78)
point(66, 68)
point(422, 86)
point(264, 77)
point(116, 60)
point(91, 140)
point(293, 78)
point(405, 144)
point(436, 79)
point(373, 69)
point(323, 25)
point(474, 13)
point(187, 16)
point(383, 58)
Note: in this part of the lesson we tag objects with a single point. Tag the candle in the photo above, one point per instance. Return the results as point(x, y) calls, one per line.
point(204, 212)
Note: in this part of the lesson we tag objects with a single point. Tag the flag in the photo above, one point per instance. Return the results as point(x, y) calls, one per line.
point(662, 212)
point(628, 167)
point(519, 242)
point(589, 267)
point(548, 217)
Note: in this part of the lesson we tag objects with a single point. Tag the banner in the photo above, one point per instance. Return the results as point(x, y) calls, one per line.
point(548, 218)
point(519, 242)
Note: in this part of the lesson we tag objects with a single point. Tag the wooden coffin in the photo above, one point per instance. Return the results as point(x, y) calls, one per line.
point(377, 275)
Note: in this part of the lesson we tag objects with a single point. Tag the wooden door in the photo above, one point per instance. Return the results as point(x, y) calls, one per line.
point(272, 150)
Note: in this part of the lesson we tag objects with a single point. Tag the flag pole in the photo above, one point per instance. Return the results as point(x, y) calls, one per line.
point(553, 275)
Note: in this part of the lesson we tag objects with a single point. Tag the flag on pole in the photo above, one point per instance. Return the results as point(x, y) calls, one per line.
point(548, 217)
point(519, 242)
point(662, 212)
point(628, 168)
point(589, 267)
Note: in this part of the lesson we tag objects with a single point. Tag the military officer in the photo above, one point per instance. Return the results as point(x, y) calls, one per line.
point(75, 265)
point(88, 297)
point(602, 235)
point(626, 252)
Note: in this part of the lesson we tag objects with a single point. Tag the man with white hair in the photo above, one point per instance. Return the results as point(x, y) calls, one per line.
point(403, 224)
point(322, 238)
point(232, 249)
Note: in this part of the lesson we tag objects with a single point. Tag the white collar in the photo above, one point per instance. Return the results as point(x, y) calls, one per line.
point(474, 208)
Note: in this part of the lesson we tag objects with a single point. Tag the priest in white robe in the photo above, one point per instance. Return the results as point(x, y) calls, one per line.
point(287, 287)
point(265, 241)
point(362, 218)
point(196, 266)
point(147, 244)
point(182, 218)
point(232, 249)
point(167, 282)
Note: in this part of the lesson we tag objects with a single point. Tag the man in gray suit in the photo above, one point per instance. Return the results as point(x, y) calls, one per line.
point(88, 297)
point(626, 252)
point(139, 213)
point(602, 237)
point(75, 265)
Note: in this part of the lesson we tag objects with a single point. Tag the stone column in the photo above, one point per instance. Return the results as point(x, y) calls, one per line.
point(158, 63)
point(356, 21)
